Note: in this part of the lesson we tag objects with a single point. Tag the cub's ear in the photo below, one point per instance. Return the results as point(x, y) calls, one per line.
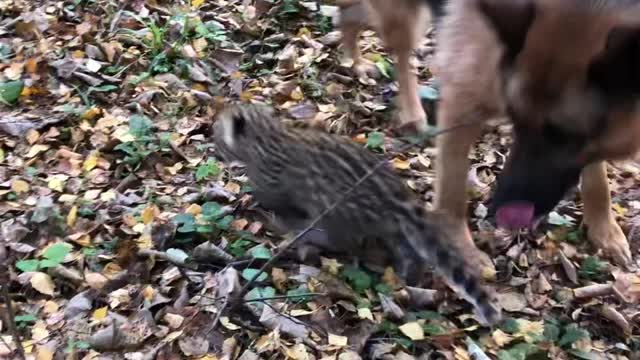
point(511, 20)
point(617, 69)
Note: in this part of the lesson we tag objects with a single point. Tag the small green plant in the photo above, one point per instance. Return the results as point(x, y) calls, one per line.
point(143, 144)
point(358, 279)
point(207, 170)
point(22, 321)
point(212, 220)
point(594, 269)
point(53, 256)
point(375, 140)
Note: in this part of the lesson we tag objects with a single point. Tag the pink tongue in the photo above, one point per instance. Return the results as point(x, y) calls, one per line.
point(515, 215)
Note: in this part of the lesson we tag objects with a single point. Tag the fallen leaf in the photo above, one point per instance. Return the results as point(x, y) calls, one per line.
point(43, 283)
point(338, 340)
point(412, 330)
point(72, 216)
point(19, 186)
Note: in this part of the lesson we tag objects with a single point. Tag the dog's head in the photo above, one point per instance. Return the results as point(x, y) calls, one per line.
point(570, 76)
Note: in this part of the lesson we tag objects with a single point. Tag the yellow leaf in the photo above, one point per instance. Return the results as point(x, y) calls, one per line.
point(332, 266)
point(529, 330)
point(73, 216)
point(37, 149)
point(44, 353)
point(232, 187)
point(144, 242)
point(92, 194)
point(42, 283)
point(412, 330)
point(19, 186)
point(173, 170)
point(111, 269)
point(246, 96)
point(501, 338)
point(197, 3)
point(39, 331)
point(56, 183)
point(148, 293)
point(194, 209)
point(78, 54)
point(108, 195)
point(50, 307)
point(365, 313)
point(297, 94)
point(139, 228)
point(83, 240)
point(400, 164)
point(91, 161)
point(147, 214)
point(67, 198)
point(338, 340)
point(228, 324)
point(100, 314)
point(32, 136)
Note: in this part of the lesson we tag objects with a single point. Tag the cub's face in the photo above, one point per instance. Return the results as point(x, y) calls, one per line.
point(571, 86)
point(239, 130)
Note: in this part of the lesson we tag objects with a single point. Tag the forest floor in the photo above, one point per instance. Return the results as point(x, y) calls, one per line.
point(121, 234)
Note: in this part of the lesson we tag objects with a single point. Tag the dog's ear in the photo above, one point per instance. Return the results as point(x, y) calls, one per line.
point(511, 20)
point(617, 69)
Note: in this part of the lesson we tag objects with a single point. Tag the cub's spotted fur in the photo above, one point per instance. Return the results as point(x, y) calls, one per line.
point(298, 173)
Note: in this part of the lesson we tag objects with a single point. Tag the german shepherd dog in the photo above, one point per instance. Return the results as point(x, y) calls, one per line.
point(567, 75)
point(401, 24)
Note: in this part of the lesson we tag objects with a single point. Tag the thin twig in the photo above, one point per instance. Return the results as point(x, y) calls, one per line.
point(11, 319)
point(287, 244)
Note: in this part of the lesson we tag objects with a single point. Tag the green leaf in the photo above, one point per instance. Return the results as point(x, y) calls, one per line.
point(249, 273)
point(433, 329)
point(518, 352)
point(256, 294)
point(27, 318)
point(57, 252)
point(211, 210)
point(261, 252)
point(225, 222)
point(551, 331)
point(140, 126)
point(103, 88)
point(573, 333)
point(383, 289)
point(375, 140)
point(208, 169)
point(560, 220)
point(10, 91)
point(510, 326)
point(187, 222)
point(428, 315)
point(593, 268)
point(46, 263)
point(358, 279)
point(28, 265)
point(239, 247)
point(299, 294)
point(385, 67)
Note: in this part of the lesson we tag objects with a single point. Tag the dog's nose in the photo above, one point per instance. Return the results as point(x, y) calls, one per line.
point(515, 215)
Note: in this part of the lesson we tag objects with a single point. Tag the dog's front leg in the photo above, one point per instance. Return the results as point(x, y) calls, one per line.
point(452, 166)
point(602, 229)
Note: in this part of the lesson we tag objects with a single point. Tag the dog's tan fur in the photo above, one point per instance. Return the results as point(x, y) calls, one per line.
point(548, 73)
point(401, 24)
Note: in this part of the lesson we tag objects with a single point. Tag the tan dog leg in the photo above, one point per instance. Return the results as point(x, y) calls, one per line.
point(452, 166)
point(602, 229)
point(401, 24)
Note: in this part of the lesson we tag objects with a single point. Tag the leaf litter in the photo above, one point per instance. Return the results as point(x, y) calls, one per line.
point(122, 234)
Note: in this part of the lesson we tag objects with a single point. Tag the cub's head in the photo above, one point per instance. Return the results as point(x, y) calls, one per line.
point(570, 76)
point(240, 129)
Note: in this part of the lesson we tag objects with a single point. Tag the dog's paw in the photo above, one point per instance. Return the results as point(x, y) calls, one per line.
point(609, 237)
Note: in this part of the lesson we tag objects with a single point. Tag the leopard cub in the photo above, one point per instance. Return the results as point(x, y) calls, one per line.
point(299, 173)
